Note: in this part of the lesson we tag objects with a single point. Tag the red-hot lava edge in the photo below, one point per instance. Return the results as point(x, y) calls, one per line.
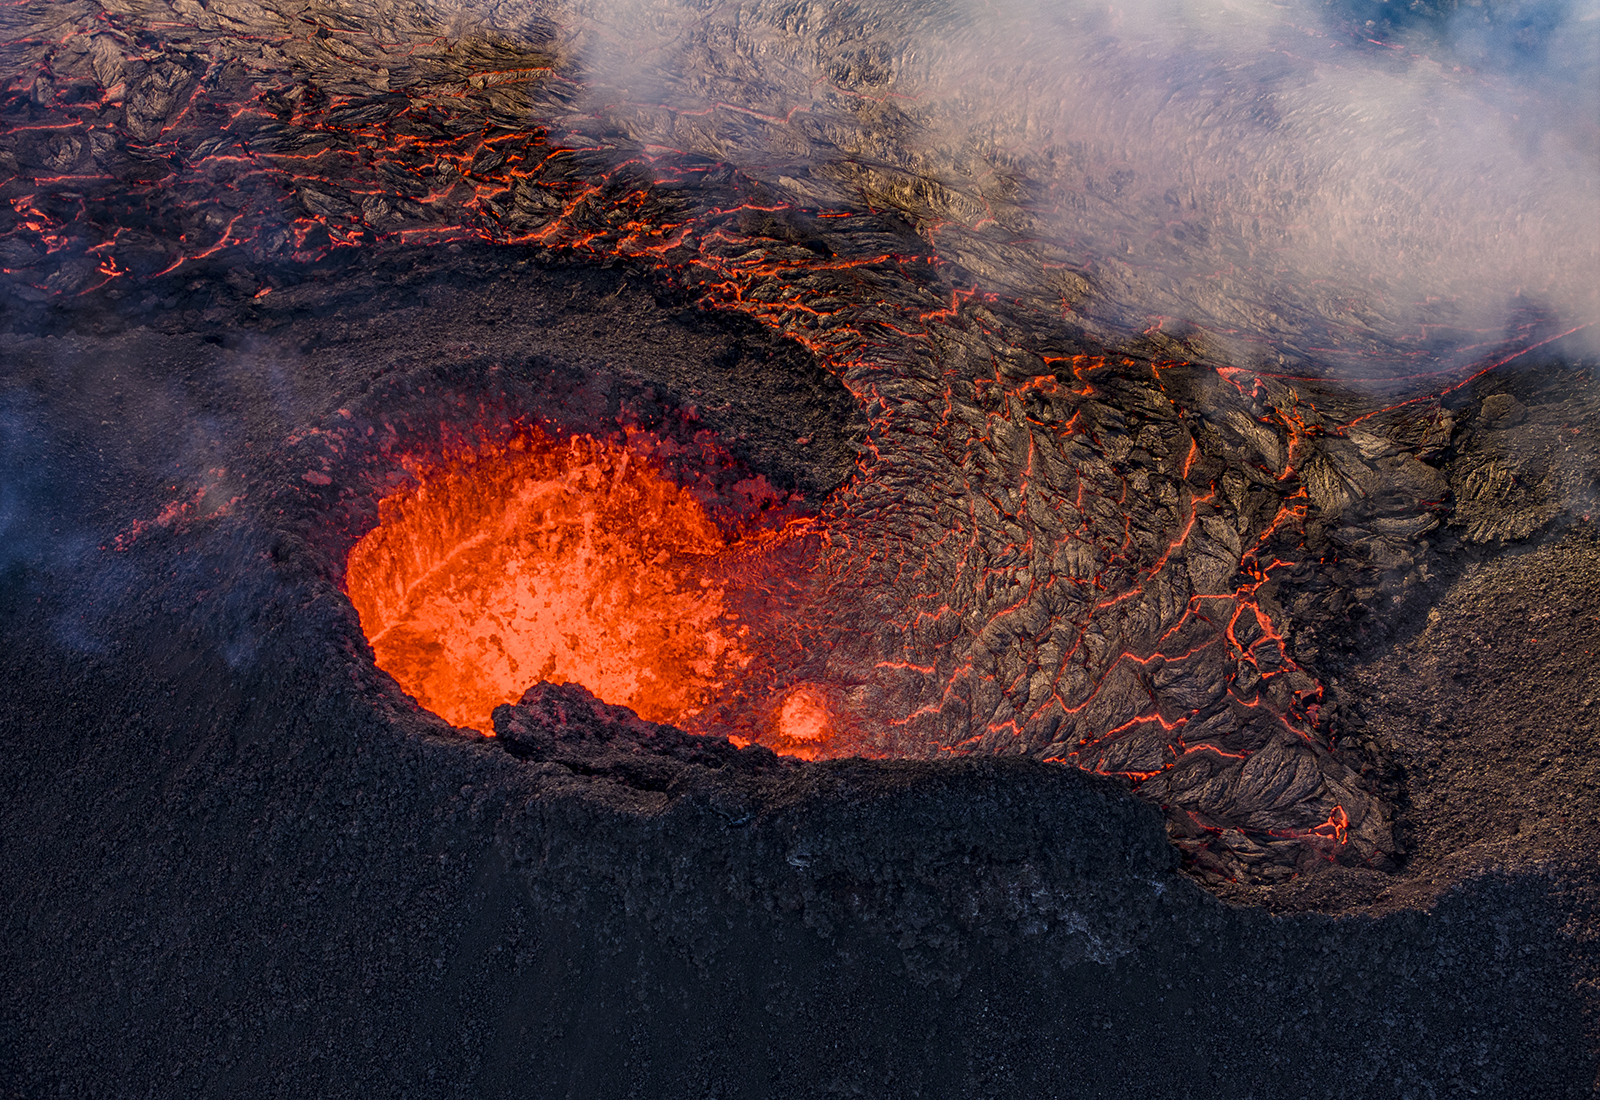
point(1103, 559)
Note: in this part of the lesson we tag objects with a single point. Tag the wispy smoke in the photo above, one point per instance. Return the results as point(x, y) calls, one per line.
point(1365, 191)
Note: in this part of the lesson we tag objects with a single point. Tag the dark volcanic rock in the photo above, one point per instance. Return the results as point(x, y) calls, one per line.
point(567, 725)
point(1502, 411)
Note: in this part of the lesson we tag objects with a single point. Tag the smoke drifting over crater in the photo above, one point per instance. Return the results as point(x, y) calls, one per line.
point(1301, 184)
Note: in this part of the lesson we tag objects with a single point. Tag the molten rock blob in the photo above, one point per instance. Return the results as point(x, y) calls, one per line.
point(803, 725)
point(574, 561)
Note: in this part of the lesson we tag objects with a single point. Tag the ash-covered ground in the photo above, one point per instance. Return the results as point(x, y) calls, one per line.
point(1319, 613)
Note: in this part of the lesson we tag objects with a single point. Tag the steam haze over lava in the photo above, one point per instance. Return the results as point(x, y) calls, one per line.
point(1358, 194)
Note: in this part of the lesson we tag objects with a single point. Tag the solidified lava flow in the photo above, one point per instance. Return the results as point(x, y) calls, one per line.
point(1107, 501)
point(538, 561)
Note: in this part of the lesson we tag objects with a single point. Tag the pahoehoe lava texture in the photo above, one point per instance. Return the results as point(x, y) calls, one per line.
point(258, 256)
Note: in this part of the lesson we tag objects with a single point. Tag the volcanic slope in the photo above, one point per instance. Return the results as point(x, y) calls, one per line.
point(243, 863)
point(259, 258)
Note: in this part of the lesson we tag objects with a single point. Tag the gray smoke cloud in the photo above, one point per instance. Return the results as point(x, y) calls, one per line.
point(1368, 191)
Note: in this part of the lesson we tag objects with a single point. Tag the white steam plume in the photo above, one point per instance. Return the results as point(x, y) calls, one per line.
point(1373, 201)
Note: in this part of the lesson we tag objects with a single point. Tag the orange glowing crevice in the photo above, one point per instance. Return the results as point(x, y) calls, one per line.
point(575, 560)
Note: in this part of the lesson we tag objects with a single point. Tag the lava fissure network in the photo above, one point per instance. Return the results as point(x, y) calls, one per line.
point(1104, 503)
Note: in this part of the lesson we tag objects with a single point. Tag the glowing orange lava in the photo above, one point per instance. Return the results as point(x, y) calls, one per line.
point(804, 723)
point(572, 561)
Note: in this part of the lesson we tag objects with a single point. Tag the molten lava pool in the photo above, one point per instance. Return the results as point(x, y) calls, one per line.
point(563, 561)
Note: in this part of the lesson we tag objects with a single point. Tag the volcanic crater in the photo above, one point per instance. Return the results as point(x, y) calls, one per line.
point(906, 674)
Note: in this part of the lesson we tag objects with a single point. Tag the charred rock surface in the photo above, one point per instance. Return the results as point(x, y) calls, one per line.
point(590, 343)
point(567, 725)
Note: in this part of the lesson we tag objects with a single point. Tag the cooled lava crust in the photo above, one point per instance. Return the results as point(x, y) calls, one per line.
point(1129, 616)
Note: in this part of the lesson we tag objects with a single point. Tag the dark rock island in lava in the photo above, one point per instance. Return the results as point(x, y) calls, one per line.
point(780, 550)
